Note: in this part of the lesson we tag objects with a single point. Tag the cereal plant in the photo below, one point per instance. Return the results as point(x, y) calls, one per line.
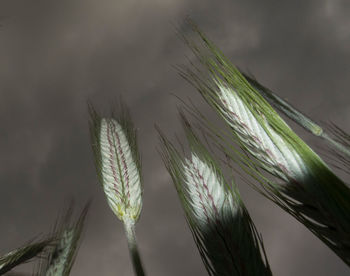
point(276, 162)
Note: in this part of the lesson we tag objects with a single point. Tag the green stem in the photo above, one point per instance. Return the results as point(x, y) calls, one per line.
point(134, 252)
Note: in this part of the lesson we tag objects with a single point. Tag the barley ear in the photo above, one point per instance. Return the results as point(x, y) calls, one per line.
point(118, 166)
point(118, 162)
point(308, 188)
point(226, 237)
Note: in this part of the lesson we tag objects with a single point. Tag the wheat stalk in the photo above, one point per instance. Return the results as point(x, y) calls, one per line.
point(226, 237)
point(118, 167)
point(310, 191)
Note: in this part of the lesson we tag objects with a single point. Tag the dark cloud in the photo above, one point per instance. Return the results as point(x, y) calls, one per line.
point(57, 54)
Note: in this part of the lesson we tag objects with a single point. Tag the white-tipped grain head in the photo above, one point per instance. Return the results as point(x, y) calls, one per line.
point(205, 190)
point(120, 173)
point(265, 144)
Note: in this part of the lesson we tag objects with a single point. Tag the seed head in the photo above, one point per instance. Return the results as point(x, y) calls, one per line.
point(118, 164)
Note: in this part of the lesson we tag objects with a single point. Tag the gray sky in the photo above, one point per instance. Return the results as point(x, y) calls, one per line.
point(57, 54)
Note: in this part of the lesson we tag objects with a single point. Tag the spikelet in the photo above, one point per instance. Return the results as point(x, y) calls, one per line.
point(221, 226)
point(310, 191)
point(118, 163)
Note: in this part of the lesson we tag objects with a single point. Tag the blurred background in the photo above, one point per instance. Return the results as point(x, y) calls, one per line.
point(56, 55)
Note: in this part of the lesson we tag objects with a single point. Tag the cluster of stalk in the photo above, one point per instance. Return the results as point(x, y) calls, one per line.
point(283, 167)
